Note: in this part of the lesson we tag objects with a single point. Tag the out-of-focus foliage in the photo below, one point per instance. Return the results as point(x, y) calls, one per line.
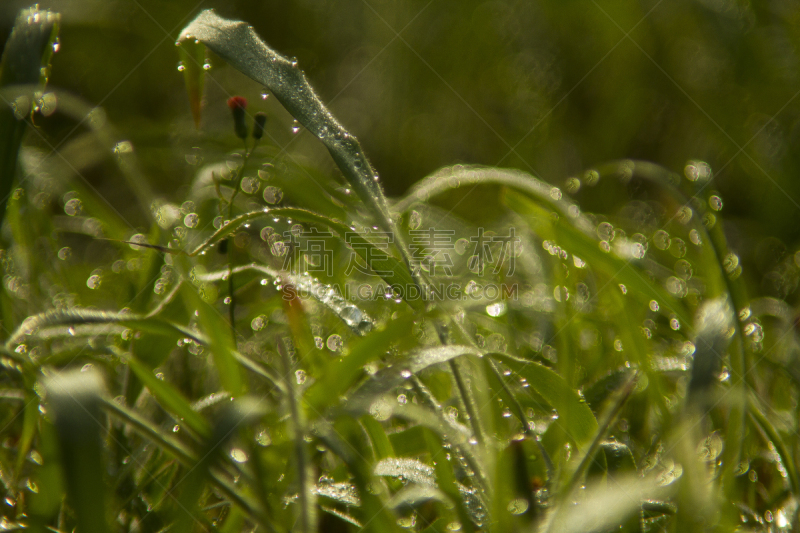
point(621, 351)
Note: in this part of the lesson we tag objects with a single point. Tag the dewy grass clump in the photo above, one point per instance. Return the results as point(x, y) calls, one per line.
point(347, 363)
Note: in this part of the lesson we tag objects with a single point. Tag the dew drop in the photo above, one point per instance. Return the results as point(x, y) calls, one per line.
point(73, 207)
point(414, 220)
point(517, 506)
point(238, 455)
point(295, 126)
point(300, 376)
point(250, 184)
point(555, 193)
point(65, 253)
point(402, 399)
point(181, 66)
point(207, 65)
point(334, 343)
point(273, 195)
point(496, 309)
point(176, 428)
point(263, 438)
point(227, 300)
point(56, 45)
point(258, 323)
point(191, 220)
point(93, 282)
point(653, 305)
point(264, 94)
point(715, 202)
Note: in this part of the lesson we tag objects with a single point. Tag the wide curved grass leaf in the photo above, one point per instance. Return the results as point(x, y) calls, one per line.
point(573, 413)
point(238, 44)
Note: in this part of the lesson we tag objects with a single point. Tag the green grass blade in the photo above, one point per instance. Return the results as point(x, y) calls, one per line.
point(237, 43)
point(170, 398)
point(75, 399)
point(575, 416)
point(219, 340)
point(577, 241)
point(25, 61)
point(390, 269)
point(193, 56)
point(341, 374)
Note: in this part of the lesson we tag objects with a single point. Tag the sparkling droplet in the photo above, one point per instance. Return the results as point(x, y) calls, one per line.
point(181, 66)
point(93, 282)
point(73, 207)
point(191, 220)
point(496, 309)
point(258, 323)
point(65, 253)
point(334, 343)
point(300, 376)
point(414, 220)
point(715, 202)
point(653, 305)
point(295, 126)
point(273, 195)
point(250, 184)
point(238, 455)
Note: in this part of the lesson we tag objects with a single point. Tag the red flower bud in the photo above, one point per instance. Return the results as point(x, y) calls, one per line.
point(238, 104)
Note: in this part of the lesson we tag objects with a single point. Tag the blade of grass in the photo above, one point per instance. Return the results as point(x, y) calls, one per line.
point(26, 56)
point(75, 399)
point(238, 44)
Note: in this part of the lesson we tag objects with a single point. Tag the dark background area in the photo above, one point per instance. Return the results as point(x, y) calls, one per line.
point(551, 87)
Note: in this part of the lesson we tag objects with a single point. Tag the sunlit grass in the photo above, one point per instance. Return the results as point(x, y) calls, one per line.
point(276, 351)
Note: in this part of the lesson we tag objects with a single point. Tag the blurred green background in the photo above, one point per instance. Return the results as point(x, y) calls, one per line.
point(552, 87)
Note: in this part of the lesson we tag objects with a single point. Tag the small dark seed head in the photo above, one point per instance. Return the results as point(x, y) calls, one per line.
point(258, 125)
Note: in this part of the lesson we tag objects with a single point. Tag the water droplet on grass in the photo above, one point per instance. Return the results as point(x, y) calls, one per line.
point(414, 220)
point(73, 207)
point(555, 193)
point(295, 126)
point(715, 202)
point(238, 455)
point(93, 282)
point(65, 253)
point(653, 305)
point(191, 220)
point(181, 66)
point(263, 438)
point(258, 323)
point(273, 195)
point(517, 506)
point(300, 376)
point(496, 309)
point(250, 184)
point(334, 343)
